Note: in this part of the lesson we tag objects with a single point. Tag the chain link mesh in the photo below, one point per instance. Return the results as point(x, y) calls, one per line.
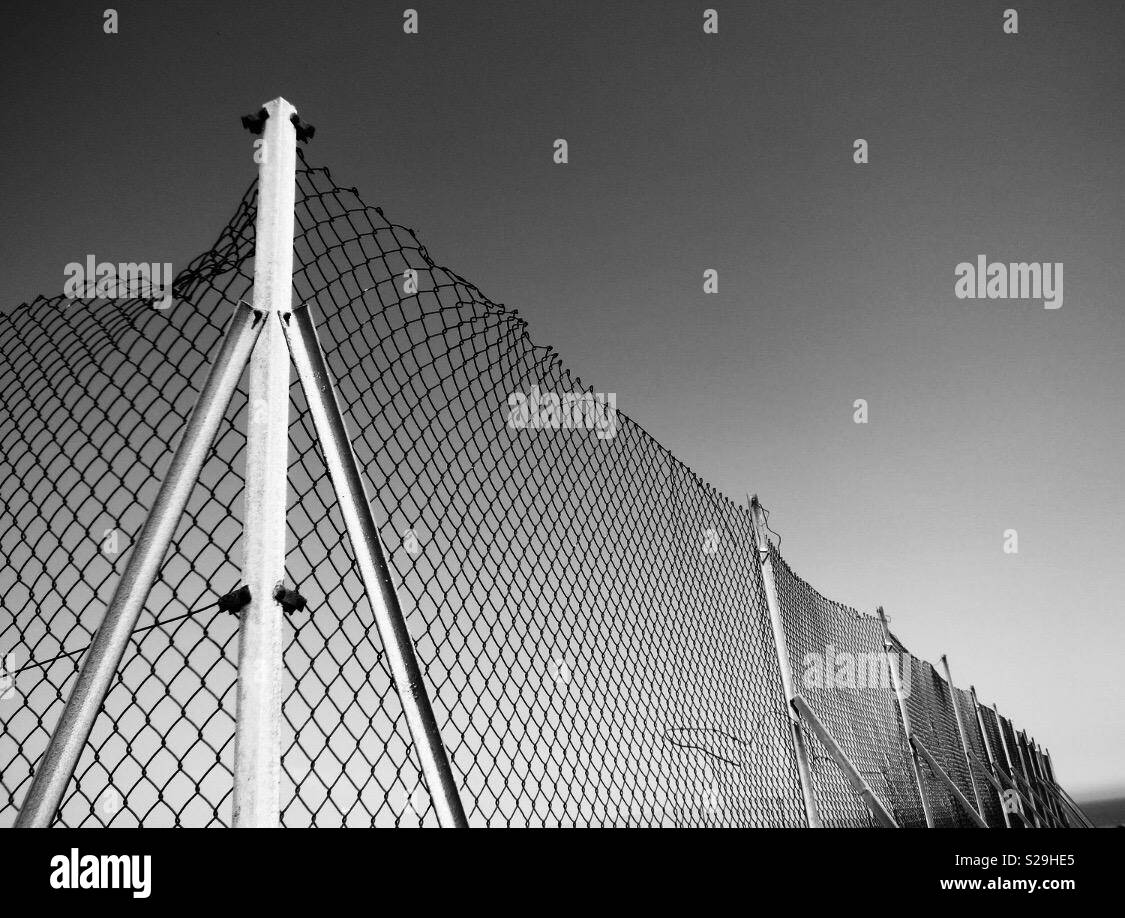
point(589, 614)
point(978, 759)
point(840, 668)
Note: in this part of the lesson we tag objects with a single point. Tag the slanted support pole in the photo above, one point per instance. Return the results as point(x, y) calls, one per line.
point(1042, 816)
point(1025, 790)
point(257, 737)
point(765, 564)
point(103, 658)
point(1037, 777)
point(1073, 807)
point(851, 773)
point(999, 780)
point(1049, 787)
point(1069, 801)
point(363, 533)
point(991, 757)
point(1041, 776)
point(896, 679)
point(949, 783)
point(963, 733)
point(1021, 779)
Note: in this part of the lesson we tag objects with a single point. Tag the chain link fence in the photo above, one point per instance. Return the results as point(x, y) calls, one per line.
point(589, 614)
point(840, 667)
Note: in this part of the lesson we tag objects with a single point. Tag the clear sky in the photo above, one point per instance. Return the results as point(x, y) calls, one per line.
point(691, 151)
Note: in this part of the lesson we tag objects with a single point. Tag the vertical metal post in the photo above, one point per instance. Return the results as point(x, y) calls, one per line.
point(1069, 801)
point(782, 647)
point(1056, 797)
point(1028, 754)
point(257, 741)
point(1049, 795)
point(1011, 767)
point(1031, 794)
point(104, 656)
point(1011, 764)
point(1036, 782)
point(1052, 788)
point(1037, 777)
point(355, 507)
point(988, 752)
point(896, 679)
point(963, 734)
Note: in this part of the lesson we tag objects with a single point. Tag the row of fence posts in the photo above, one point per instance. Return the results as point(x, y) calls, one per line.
point(267, 338)
point(1026, 788)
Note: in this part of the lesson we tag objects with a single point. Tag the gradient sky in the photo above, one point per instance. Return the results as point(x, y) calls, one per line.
point(688, 152)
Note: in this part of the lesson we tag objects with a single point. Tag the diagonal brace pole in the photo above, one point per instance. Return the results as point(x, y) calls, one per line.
point(904, 713)
point(948, 781)
point(990, 771)
point(769, 585)
point(332, 434)
point(101, 663)
point(963, 735)
point(998, 783)
point(855, 779)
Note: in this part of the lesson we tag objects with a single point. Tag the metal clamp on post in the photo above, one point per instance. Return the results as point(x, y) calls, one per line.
point(305, 131)
point(289, 600)
point(256, 123)
point(235, 599)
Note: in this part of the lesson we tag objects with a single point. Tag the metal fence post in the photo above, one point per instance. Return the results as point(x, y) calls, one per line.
point(1032, 803)
point(963, 734)
point(102, 660)
point(988, 751)
point(257, 737)
point(765, 564)
point(896, 680)
point(1056, 798)
point(1029, 775)
point(1045, 785)
point(1069, 801)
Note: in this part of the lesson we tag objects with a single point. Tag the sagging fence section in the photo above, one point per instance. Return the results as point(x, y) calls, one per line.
point(590, 617)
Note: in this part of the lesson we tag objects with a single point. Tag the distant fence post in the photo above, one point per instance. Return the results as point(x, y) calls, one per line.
point(1025, 790)
point(1026, 757)
point(1033, 777)
point(1070, 802)
point(896, 679)
point(257, 737)
point(1032, 803)
point(782, 647)
point(1045, 785)
point(988, 752)
point(963, 734)
point(1037, 776)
